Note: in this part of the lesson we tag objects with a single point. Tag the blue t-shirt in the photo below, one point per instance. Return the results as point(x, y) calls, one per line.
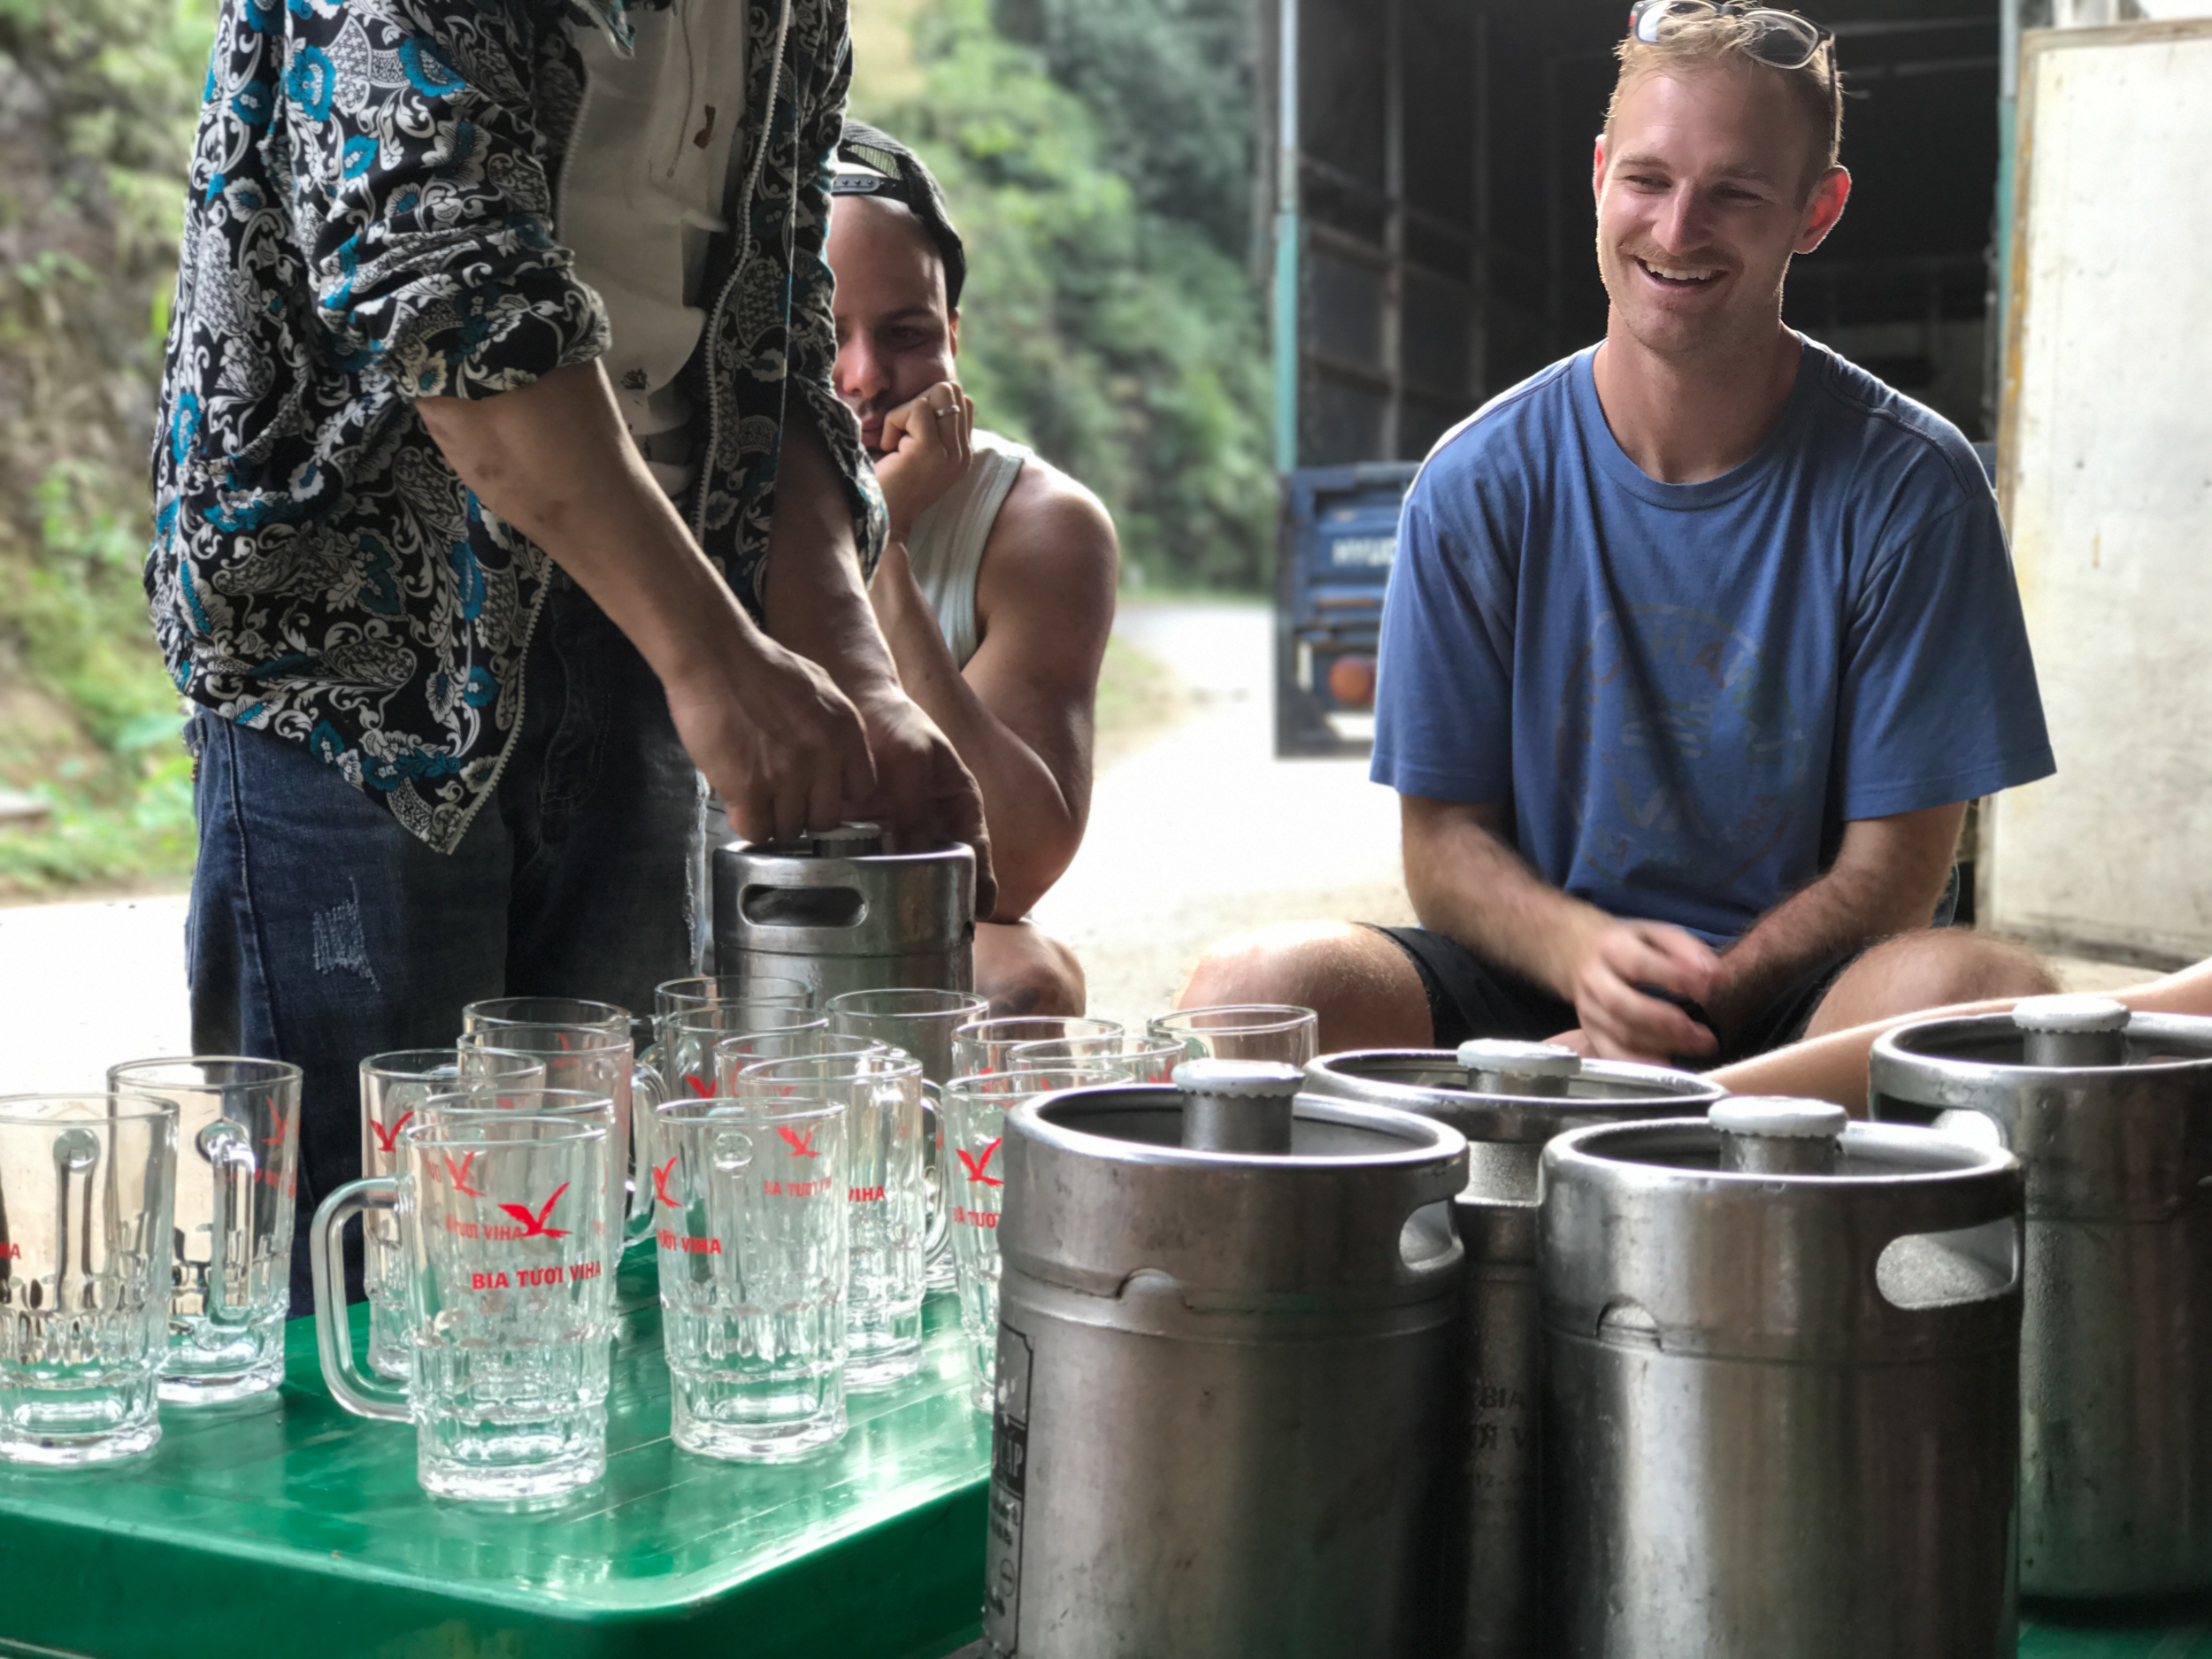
point(1682, 692)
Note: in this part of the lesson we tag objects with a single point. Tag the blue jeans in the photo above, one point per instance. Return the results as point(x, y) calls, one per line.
point(322, 932)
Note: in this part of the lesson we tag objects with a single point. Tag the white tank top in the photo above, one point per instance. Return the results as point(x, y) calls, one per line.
point(946, 545)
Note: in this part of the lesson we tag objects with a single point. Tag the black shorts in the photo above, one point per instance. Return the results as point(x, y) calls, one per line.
point(1470, 997)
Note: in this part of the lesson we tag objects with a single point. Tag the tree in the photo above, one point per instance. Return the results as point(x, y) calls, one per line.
point(1124, 342)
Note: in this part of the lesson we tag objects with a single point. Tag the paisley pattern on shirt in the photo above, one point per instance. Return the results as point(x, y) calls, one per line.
point(371, 220)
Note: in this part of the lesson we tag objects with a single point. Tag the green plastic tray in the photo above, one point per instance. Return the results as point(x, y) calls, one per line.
point(2187, 1636)
point(284, 1526)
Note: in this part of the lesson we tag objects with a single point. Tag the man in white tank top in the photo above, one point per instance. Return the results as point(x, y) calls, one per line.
point(996, 588)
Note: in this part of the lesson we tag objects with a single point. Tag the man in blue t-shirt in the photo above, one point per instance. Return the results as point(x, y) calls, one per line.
point(1698, 643)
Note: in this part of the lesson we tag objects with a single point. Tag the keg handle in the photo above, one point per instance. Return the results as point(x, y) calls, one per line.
point(1950, 1268)
point(803, 904)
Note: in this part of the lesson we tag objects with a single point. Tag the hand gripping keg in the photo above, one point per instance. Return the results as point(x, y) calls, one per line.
point(1227, 1318)
point(2111, 1113)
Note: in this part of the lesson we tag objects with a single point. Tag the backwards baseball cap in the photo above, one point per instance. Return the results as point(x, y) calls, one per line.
point(870, 162)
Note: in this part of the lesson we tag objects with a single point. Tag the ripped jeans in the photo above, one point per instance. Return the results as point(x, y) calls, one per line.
point(322, 932)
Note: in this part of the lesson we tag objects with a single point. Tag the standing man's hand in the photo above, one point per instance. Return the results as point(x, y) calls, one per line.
point(929, 444)
point(779, 743)
point(773, 731)
point(1612, 961)
point(924, 796)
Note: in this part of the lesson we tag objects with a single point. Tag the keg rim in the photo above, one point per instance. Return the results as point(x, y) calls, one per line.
point(1574, 1152)
point(1907, 1064)
point(1425, 1140)
point(1509, 1119)
point(768, 852)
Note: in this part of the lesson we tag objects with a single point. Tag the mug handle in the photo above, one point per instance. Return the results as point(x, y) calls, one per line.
point(362, 1396)
point(648, 1090)
point(228, 1149)
point(938, 1239)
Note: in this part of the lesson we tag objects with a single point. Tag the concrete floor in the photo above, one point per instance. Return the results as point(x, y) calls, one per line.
point(1204, 833)
point(1198, 833)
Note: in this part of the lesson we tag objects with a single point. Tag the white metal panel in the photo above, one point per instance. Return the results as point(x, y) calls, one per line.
point(2107, 448)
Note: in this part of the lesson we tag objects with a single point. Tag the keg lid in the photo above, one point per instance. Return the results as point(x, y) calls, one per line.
point(1519, 1059)
point(1776, 1115)
point(1245, 1079)
point(2071, 1014)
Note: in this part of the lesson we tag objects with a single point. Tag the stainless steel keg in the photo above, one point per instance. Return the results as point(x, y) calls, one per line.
point(840, 913)
point(2112, 1115)
point(1223, 1374)
point(1781, 1359)
point(1508, 1099)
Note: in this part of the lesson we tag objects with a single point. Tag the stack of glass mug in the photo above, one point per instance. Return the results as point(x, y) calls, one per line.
point(806, 1175)
point(145, 1252)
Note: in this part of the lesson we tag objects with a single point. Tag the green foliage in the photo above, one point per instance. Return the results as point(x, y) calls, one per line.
point(1124, 344)
point(1169, 86)
point(98, 104)
point(95, 838)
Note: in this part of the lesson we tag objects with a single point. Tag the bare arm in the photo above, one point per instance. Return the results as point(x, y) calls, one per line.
point(1020, 713)
point(1465, 882)
point(772, 734)
point(1886, 877)
point(817, 604)
point(1834, 1067)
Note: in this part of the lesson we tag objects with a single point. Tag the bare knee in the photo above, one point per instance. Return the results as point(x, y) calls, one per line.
point(1933, 968)
point(1271, 965)
point(1020, 969)
point(1363, 988)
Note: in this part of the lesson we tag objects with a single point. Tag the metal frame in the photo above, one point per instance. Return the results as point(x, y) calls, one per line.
point(1296, 235)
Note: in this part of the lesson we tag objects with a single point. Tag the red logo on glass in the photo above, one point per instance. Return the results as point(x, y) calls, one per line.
point(975, 1166)
point(534, 1223)
point(387, 1140)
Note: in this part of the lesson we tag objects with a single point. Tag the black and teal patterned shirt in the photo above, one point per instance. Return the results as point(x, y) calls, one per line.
point(371, 220)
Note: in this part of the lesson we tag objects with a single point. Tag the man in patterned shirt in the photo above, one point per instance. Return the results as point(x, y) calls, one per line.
point(498, 480)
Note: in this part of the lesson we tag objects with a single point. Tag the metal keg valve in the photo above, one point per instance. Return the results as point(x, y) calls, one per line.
point(1495, 1066)
point(2072, 1030)
point(850, 840)
point(1772, 1135)
point(1238, 1105)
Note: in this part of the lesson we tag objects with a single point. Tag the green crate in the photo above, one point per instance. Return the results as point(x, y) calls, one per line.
point(284, 1526)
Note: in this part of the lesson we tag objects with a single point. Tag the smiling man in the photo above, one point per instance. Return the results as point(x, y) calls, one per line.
point(996, 588)
point(1698, 641)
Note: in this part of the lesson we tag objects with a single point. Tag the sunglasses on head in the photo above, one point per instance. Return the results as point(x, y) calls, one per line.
point(1782, 40)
